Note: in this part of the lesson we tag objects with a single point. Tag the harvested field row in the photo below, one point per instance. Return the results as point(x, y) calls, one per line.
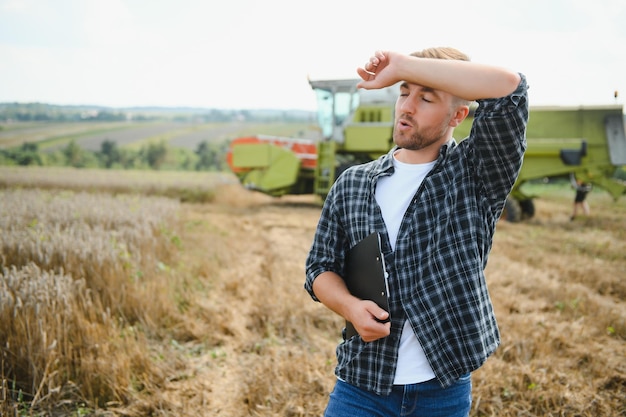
point(19, 133)
point(125, 137)
point(183, 185)
point(187, 135)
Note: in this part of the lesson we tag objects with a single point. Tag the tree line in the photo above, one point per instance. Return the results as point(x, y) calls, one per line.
point(42, 112)
point(154, 155)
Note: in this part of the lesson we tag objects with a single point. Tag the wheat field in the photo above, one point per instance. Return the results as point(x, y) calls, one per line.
point(128, 302)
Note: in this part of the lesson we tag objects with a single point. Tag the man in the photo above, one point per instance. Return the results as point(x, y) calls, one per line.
point(580, 203)
point(436, 204)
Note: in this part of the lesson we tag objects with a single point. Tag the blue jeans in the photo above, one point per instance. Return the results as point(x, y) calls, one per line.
point(426, 399)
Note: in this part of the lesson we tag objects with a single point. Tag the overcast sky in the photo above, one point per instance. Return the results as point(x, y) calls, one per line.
point(258, 54)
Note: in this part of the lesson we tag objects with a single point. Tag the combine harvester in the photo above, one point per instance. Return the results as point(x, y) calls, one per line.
point(356, 127)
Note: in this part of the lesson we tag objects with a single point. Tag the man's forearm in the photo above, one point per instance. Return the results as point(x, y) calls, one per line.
point(467, 80)
point(331, 290)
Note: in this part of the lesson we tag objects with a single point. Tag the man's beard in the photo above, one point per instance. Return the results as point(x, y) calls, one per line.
point(420, 138)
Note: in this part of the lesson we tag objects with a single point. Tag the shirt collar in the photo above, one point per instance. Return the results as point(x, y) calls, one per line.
point(385, 165)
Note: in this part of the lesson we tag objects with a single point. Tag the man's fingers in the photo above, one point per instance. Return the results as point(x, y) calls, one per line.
point(382, 316)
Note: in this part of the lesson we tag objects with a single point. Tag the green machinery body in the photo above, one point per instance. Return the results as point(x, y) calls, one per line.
point(356, 125)
point(587, 142)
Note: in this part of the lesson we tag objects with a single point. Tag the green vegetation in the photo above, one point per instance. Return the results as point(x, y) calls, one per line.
point(152, 155)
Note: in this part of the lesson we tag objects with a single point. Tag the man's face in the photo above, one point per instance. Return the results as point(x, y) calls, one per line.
point(422, 117)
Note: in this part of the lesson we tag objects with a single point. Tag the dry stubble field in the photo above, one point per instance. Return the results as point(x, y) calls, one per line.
point(558, 286)
point(230, 331)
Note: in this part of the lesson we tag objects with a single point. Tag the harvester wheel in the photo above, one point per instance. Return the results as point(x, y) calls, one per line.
point(512, 210)
point(528, 208)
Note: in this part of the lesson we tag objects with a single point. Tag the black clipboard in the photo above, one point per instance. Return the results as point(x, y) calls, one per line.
point(366, 277)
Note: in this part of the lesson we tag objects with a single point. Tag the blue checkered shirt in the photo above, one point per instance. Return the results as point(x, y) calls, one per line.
point(436, 273)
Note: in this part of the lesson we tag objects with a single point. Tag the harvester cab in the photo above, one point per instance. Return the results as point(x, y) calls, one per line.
point(356, 125)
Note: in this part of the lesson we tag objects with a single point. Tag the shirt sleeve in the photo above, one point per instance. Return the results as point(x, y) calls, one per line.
point(498, 138)
point(326, 253)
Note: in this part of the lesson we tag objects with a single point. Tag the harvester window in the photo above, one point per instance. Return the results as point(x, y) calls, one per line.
point(325, 112)
point(343, 107)
point(334, 111)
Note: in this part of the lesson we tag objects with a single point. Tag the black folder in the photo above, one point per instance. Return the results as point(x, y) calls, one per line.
point(366, 277)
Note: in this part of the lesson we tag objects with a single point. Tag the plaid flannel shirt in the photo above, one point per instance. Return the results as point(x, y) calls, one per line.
point(436, 273)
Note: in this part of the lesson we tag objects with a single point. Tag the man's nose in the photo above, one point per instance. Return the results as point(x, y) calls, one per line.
point(408, 105)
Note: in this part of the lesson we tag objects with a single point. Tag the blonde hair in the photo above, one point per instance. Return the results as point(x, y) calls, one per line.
point(441, 52)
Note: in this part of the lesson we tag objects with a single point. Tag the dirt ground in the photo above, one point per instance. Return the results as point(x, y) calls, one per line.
point(267, 349)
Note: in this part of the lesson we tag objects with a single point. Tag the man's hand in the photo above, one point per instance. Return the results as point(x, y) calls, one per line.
point(365, 315)
point(378, 72)
point(367, 318)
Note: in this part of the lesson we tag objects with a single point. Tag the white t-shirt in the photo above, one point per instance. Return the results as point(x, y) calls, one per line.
point(394, 194)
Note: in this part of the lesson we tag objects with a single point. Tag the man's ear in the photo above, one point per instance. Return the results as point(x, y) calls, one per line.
point(460, 113)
